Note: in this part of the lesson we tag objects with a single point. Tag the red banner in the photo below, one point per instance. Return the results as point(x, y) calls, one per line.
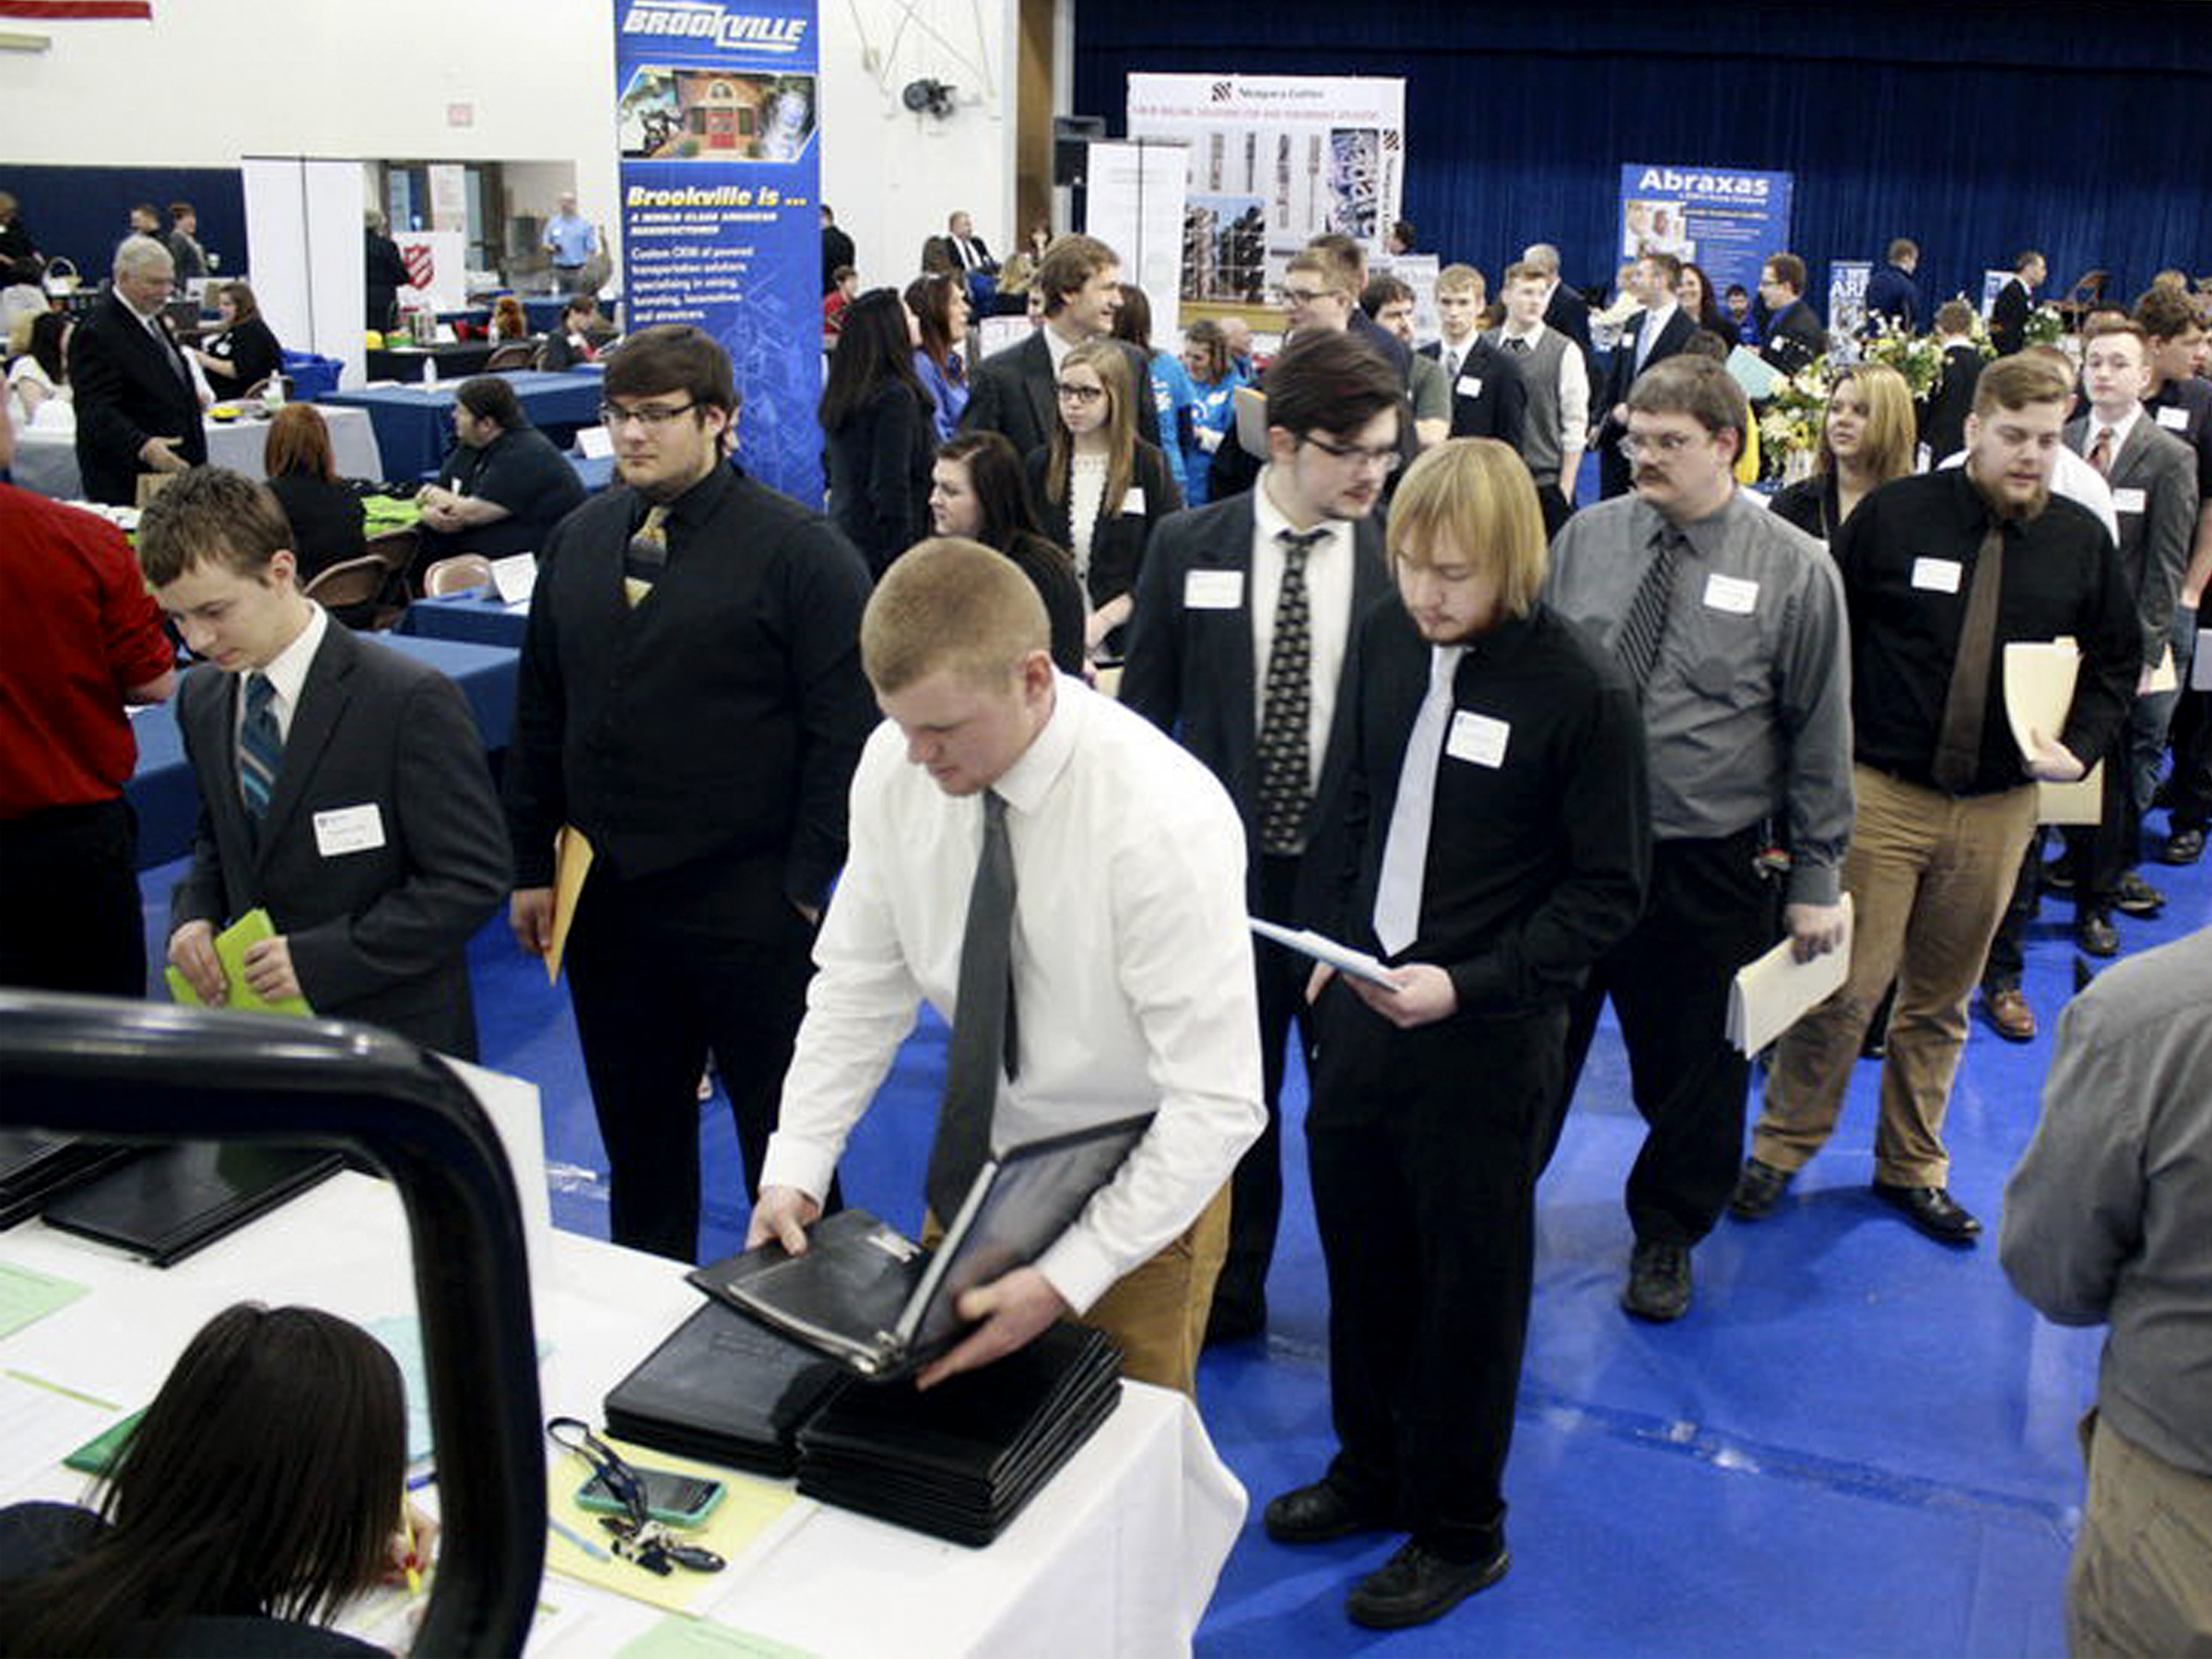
point(59, 11)
point(419, 268)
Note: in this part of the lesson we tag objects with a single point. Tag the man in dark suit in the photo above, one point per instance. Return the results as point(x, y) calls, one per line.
point(1488, 398)
point(692, 705)
point(343, 786)
point(2008, 313)
point(1245, 612)
point(1564, 309)
point(1892, 296)
point(384, 269)
point(1943, 417)
point(137, 404)
point(1658, 332)
point(1015, 392)
point(1794, 337)
point(837, 250)
point(2153, 475)
point(960, 252)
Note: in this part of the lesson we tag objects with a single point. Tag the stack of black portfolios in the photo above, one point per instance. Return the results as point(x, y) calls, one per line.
point(725, 1389)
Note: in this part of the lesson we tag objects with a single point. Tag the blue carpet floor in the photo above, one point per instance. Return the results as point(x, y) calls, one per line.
point(1857, 1442)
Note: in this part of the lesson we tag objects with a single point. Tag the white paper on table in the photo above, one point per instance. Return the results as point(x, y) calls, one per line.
point(514, 576)
point(1770, 995)
point(1323, 948)
point(39, 1424)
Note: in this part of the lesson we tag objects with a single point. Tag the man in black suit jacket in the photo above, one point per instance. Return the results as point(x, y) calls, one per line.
point(960, 251)
point(2008, 313)
point(1563, 308)
point(1794, 337)
point(837, 250)
point(1015, 392)
point(137, 404)
point(1488, 396)
point(348, 795)
point(1244, 613)
point(1659, 331)
point(1943, 417)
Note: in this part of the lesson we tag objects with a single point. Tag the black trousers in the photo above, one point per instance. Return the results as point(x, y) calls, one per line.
point(2007, 957)
point(1709, 912)
point(1256, 1189)
point(656, 983)
point(70, 915)
point(1423, 1152)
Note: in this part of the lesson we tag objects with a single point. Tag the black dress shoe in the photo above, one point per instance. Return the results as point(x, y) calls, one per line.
point(2057, 876)
point(2096, 935)
point(1316, 1513)
point(1658, 1287)
point(2182, 847)
point(2137, 896)
point(1933, 1211)
point(1417, 1585)
point(1229, 1325)
point(1758, 1189)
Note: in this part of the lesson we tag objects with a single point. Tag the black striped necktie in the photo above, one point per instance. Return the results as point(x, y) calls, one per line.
point(1645, 626)
point(260, 747)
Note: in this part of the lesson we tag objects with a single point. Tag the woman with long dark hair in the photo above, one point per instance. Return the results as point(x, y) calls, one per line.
point(41, 372)
point(1693, 293)
point(939, 302)
point(1099, 489)
point(875, 414)
point(977, 490)
point(325, 515)
point(263, 1483)
point(244, 352)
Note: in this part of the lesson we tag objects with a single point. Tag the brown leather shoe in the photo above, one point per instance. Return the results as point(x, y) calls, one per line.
point(2009, 1015)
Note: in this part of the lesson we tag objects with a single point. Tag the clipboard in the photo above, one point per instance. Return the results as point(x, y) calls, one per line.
point(2038, 691)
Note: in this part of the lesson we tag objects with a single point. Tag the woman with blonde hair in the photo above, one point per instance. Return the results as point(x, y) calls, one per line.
point(1866, 438)
point(1099, 489)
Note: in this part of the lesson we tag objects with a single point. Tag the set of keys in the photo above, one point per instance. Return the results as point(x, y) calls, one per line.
point(632, 1534)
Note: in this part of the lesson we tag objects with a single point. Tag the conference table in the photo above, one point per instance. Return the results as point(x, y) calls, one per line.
point(46, 456)
point(456, 359)
point(167, 800)
point(414, 424)
point(1117, 1556)
point(480, 616)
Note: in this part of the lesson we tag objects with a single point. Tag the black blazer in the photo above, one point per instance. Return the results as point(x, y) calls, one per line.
point(325, 516)
point(386, 274)
point(1500, 409)
point(1118, 539)
point(837, 250)
point(1192, 672)
point(1570, 314)
point(1796, 338)
point(879, 463)
point(2155, 476)
point(1012, 392)
point(1943, 417)
point(2008, 317)
point(381, 934)
point(129, 388)
point(1052, 574)
point(1612, 469)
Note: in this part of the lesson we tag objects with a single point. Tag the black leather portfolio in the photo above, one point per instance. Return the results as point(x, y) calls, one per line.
point(170, 1201)
point(961, 1460)
point(36, 1167)
point(725, 1389)
point(868, 1295)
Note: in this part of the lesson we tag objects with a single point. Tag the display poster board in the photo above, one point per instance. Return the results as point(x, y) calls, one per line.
point(1418, 271)
point(1135, 205)
point(1847, 280)
point(1993, 284)
point(1275, 160)
point(1725, 220)
point(717, 116)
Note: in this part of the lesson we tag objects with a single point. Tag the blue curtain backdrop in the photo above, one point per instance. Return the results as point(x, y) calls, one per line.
point(1976, 130)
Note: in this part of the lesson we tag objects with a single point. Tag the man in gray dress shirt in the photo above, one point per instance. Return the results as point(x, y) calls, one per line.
point(2105, 1224)
point(1730, 623)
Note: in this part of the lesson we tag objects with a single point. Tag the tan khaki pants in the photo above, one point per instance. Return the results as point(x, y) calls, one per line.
point(2141, 1582)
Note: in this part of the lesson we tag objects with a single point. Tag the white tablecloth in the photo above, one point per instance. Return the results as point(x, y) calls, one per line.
point(1118, 1556)
point(46, 459)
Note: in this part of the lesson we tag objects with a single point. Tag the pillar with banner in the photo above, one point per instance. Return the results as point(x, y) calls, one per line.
point(718, 117)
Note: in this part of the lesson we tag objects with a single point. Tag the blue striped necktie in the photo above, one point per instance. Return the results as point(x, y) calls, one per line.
point(260, 747)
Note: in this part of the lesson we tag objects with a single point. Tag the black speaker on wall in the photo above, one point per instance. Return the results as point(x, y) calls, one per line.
point(1072, 138)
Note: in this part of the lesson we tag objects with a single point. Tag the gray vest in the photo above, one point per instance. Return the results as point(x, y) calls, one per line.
point(1539, 367)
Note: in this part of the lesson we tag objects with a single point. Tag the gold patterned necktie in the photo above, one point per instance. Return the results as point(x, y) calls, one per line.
point(646, 557)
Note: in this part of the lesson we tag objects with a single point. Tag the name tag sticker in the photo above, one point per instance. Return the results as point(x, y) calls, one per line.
point(2174, 416)
point(1470, 386)
point(1731, 593)
point(2127, 500)
point(1479, 738)
point(345, 829)
point(1213, 589)
point(1133, 502)
point(1937, 575)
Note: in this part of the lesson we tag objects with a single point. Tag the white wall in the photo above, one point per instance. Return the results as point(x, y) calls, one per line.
point(376, 78)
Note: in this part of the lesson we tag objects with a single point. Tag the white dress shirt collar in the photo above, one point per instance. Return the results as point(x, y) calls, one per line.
point(286, 671)
point(2122, 428)
point(1024, 785)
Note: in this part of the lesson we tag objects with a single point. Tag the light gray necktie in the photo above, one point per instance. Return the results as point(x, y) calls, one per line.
point(1405, 851)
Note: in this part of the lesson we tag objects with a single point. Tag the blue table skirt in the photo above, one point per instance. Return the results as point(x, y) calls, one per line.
point(167, 800)
point(479, 615)
point(414, 424)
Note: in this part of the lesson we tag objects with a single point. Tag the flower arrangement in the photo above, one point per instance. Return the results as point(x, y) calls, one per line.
point(1918, 358)
point(2045, 326)
point(1789, 427)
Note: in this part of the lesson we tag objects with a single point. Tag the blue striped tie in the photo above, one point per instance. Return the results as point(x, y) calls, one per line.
point(260, 747)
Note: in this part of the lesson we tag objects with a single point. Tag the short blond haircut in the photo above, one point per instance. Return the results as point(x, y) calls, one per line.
point(1474, 497)
point(1460, 279)
point(950, 602)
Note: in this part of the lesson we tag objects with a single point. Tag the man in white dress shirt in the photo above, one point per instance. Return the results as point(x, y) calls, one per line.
point(1129, 959)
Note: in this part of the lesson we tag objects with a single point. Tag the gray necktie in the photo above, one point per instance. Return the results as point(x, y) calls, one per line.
point(982, 1023)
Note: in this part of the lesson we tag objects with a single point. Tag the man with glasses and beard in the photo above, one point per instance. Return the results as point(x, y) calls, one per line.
point(691, 702)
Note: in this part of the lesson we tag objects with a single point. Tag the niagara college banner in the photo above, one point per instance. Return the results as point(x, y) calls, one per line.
point(717, 115)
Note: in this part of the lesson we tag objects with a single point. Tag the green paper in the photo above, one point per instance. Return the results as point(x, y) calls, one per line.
point(26, 1296)
point(676, 1637)
point(96, 1455)
point(231, 947)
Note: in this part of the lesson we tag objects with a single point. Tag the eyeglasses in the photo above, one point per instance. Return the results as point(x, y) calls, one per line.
point(1302, 296)
point(615, 415)
point(1084, 395)
point(1665, 443)
point(1384, 456)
